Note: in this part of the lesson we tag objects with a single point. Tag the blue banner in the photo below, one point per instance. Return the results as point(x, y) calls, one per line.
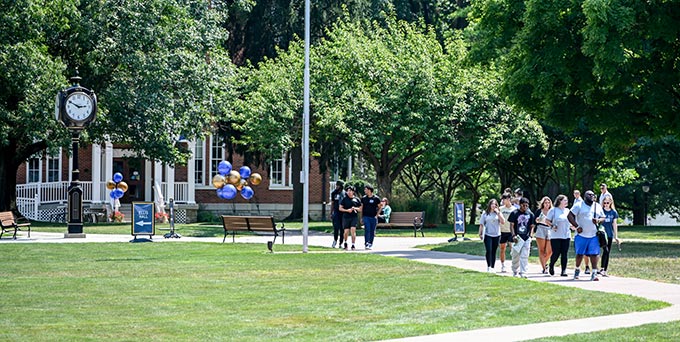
point(459, 224)
point(143, 222)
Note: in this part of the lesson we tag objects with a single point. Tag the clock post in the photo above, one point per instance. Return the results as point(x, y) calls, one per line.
point(77, 109)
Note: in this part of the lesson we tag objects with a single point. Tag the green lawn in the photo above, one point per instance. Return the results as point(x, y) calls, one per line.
point(648, 332)
point(650, 232)
point(645, 260)
point(206, 291)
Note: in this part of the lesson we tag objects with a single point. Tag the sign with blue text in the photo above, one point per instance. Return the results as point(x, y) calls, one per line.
point(143, 218)
point(459, 212)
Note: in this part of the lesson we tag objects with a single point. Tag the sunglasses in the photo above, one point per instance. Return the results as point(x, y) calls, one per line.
point(606, 202)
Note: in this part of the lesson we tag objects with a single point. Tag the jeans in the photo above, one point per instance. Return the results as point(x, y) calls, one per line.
point(491, 245)
point(560, 249)
point(369, 228)
point(520, 261)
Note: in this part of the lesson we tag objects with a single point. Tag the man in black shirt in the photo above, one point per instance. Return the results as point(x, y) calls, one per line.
point(370, 207)
point(521, 225)
point(336, 196)
point(350, 206)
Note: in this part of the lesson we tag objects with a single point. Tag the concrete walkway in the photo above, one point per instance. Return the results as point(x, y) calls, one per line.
point(405, 248)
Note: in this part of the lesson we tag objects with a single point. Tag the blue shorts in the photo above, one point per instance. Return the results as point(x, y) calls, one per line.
point(586, 246)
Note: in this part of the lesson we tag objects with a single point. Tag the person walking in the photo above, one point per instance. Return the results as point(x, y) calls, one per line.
point(585, 216)
point(370, 206)
point(336, 216)
point(611, 228)
point(543, 233)
point(506, 235)
point(560, 237)
point(604, 193)
point(490, 232)
point(521, 225)
point(577, 197)
point(385, 211)
point(350, 206)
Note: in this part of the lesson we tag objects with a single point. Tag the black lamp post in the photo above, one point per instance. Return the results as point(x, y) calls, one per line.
point(77, 109)
point(645, 190)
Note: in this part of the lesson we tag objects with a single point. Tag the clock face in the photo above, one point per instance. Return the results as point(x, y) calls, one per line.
point(78, 106)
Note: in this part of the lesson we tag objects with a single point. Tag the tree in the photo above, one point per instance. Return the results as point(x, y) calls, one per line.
point(153, 66)
point(612, 66)
point(380, 88)
point(30, 76)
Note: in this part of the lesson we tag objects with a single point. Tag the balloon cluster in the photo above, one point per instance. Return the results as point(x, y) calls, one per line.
point(229, 182)
point(117, 186)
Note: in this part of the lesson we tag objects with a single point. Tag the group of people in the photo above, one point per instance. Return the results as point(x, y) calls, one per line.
point(345, 209)
point(513, 224)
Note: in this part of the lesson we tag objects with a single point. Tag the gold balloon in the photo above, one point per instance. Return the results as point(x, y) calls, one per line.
point(255, 179)
point(123, 186)
point(234, 178)
point(218, 181)
point(110, 185)
point(241, 184)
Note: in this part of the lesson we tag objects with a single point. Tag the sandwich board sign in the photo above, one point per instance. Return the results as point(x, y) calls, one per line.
point(459, 226)
point(143, 222)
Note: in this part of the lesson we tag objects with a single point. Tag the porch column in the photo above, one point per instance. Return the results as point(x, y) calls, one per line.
point(108, 164)
point(96, 173)
point(170, 180)
point(158, 179)
point(191, 168)
point(148, 186)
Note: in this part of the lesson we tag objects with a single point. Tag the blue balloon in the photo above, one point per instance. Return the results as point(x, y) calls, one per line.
point(229, 191)
point(117, 177)
point(119, 193)
point(220, 193)
point(247, 192)
point(112, 194)
point(224, 167)
point(244, 171)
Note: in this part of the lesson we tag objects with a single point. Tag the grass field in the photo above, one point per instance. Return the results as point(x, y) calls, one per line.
point(206, 291)
point(645, 260)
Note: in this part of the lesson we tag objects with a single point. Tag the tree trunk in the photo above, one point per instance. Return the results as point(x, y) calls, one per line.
point(8, 183)
point(298, 190)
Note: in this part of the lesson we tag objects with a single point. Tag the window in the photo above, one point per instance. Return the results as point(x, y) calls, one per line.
point(33, 170)
point(280, 174)
point(216, 153)
point(54, 168)
point(199, 167)
point(276, 174)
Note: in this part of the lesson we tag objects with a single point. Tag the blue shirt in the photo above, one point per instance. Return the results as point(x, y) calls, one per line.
point(609, 217)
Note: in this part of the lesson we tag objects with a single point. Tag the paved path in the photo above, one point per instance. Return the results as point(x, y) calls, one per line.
point(404, 248)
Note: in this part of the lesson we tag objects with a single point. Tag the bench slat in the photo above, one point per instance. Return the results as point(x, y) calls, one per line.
point(410, 219)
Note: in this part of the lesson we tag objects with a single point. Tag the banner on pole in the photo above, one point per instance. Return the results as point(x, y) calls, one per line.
point(459, 223)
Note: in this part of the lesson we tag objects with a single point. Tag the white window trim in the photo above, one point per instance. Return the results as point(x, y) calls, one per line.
point(202, 164)
point(287, 176)
point(47, 165)
point(28, 170)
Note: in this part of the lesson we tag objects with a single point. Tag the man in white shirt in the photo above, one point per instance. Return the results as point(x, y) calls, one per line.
point(585, 216)
point(604, 193)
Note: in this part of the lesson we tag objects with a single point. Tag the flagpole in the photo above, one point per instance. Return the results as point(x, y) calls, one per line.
point(305, 139)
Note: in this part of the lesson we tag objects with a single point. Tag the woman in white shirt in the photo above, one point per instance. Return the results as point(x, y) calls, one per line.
point(560, 236)
point(490, 232)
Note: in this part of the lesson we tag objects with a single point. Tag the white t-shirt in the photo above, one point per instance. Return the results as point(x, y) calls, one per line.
point(584, 217)
point(506, 211)
point(559, 218)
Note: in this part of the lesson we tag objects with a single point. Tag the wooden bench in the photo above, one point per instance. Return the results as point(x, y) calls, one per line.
point(410, 219)
point(232, 224)
point(8, 223)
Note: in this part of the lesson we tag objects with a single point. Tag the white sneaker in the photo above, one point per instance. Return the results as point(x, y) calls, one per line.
point(334, 243)
point(488, 269)
point(502, 268)
point(492, 270)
